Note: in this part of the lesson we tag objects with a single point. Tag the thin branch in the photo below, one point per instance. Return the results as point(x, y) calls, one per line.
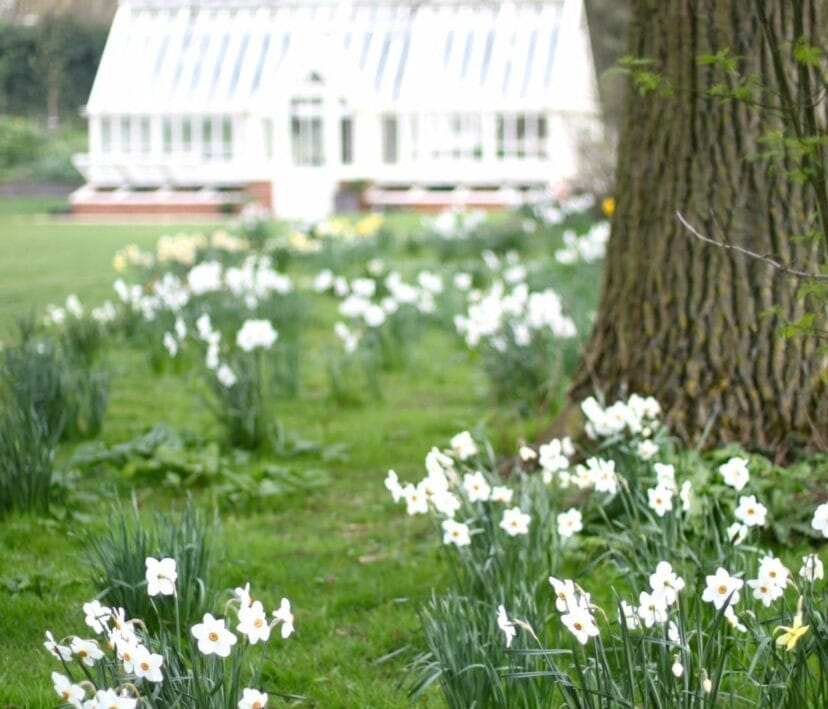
point(779, 266)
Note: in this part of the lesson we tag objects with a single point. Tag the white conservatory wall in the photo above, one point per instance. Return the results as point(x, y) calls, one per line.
point(480, 93)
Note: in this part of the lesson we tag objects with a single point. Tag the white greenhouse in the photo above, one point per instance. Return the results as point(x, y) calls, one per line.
point(199, 105)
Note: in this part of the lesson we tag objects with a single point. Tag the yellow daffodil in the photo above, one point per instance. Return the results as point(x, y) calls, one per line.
point(608, 206)
point(790, 637)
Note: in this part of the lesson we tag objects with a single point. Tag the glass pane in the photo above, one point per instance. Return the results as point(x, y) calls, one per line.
point(389, 139)
point(187, 135)
point(227, 138)
point(106, 135)
point(347, 141)
point(146, 136)
point(207, 138)
point(168, 137)
point(126, 135)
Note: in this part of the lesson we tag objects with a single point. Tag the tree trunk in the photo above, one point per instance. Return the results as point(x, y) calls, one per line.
point(683, 320)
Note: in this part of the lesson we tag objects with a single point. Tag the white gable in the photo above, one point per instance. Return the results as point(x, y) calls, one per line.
point(217, 56)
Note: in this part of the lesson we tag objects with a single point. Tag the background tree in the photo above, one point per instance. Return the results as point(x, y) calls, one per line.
point(695, 325)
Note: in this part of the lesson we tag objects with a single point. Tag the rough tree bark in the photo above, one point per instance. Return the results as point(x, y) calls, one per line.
point(680, 319)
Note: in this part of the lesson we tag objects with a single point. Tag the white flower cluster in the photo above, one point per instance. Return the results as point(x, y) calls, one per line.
point(72, 308)
point(590, 247)
point(360, 306)
point(500, 317)
point(136, 661)
point(638, 416)
point(252, 282)
point(444, 491)
point(451, 224)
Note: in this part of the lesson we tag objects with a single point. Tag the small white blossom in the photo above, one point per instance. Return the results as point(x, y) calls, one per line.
point(569, 523)
point(161, 576)
point(455, 533)
point(506, 625)
point(213, 638)
point(252, 699)
point(820, 520)
point(147, 665)
point(70, 693)
point(652, 609)
point(87, 651)
point(463, 445)
point(750, 512)
point(284, 615)
point(660, 500)
point(253, 623)
point(722, 589)
point(515, 522)
point(61, 652)
point(503, 494)
point(476, 487)
point(735, 473)
point(580, 622)
point(812, 569)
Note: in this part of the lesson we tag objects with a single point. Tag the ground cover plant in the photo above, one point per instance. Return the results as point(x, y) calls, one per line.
point(269, 376)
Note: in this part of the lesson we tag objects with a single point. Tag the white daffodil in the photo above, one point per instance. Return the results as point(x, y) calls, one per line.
point(580, 622)
point(70, 693)
point(446, 503)
point(629, 615)
point(526, 454)
point(765, 591)
point(552, 457)
point(416, 501)
point(392, 484)
point(253, 623)
point(161, 576)
point(252, 699)
point(686, 495)
point(87, 651)
point(463, 445)
point(722, 589)
point(476, 486)
point(506, 625)
point(660, 500)
point(170, 344)
point(226, 376)
point(733, 620)
point(127, 650)
point(677, 668)
point(602, 475)
point(737, 533)
point(515, 522)
point(820, 520)
point(666, 583)
point(284, 615)
point(565, 596)
point(774, 571)
point(735, 473)
point(750, 512)
point(569, 523)
point(213, 638)
point(61, 652)
point(243, 594)
point(110, 699)
point(812, 569)
point(665, 476)
point(97, 616)
point(147, 665)
point(647, 450)
point(651, 609)
point(255, 334)
point(455, 533)
point(501, 493)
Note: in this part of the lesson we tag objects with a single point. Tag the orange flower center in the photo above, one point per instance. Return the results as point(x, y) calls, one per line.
point(722, 589)
point(213, 637)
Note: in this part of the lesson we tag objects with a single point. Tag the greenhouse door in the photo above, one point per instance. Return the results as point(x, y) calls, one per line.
point(308, 187)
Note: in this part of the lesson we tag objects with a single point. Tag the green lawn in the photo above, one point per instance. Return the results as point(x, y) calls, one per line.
point(353, 565)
